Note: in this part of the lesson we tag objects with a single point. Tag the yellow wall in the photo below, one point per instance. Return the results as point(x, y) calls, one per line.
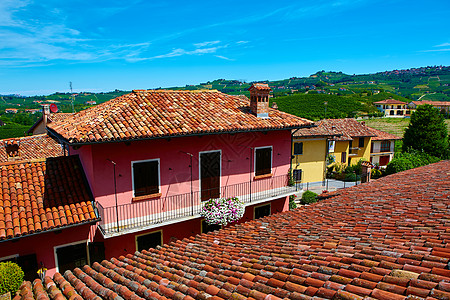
point(357, 155)
point(312, 161)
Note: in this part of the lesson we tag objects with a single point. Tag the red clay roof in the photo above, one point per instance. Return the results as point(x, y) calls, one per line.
point(319, 131)
point(434, 103)
point(53, 117)
point(159, 113)
point(260, 86)
point(390, 101)
point(387, 239)
point(348, 128)
point(43, 195)
point(31, 147)
point(382, 135)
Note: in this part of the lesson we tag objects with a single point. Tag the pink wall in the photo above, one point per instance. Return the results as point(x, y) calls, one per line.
point(174, 165)
point(43, 245)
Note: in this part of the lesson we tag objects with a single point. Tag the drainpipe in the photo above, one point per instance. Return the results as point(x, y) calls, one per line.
point(250, 176)
point(115, 193)
point(192, 195)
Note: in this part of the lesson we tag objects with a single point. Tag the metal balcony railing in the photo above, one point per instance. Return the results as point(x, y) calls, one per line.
point(126, 217)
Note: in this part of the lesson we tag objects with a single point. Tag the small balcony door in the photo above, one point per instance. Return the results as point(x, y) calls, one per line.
point(210, 175)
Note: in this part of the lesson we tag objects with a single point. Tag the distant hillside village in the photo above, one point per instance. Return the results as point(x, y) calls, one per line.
point(201, 194)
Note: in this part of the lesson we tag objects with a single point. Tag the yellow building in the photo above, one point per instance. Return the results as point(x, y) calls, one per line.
point(309, 153)
point(347, 140)
point(354, 142)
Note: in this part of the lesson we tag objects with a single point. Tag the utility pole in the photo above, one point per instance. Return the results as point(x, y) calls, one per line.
point(71, 94)
point(325, 103)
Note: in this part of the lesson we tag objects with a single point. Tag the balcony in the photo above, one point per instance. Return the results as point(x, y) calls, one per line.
point(137, 216)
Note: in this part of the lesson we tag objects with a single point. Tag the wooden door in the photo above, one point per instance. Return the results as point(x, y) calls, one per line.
point(210, 175)
point(384, 160)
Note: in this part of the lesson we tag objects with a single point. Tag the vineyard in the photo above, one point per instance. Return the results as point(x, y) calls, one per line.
point(313, 106)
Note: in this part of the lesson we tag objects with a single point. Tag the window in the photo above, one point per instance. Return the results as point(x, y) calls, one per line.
point(331, 145)
point(298, 148)
point(28, 263)
point(146, 177)
point(297, 175)
point(263, 161)
point(350, 146)
point(209, 228)
point(344, 157)
point(262, 211)
point(361, 142)
point(149, 240)
point(71, 256)
point(385, 146)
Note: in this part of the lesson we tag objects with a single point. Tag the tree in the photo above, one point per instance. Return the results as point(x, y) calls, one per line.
point(427, 132)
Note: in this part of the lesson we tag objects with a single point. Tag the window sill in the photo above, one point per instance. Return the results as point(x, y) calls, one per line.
point(146, 197)
point(263, 176)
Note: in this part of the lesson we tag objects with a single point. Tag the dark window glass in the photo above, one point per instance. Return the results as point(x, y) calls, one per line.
point(262, 211)
point(385, 146)
point(146, 180)
point(297, 175)
point(344, 157)
point(350, 146)
point(147, 241)
point(361, 143)
point(263, 161)
point(28, 263)
point(71, 257)
point(298, 148)
point(208, 228)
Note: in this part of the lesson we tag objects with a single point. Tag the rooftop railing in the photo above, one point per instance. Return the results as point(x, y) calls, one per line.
point(127, 217)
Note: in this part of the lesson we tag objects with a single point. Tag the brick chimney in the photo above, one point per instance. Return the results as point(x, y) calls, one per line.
point(12, 149)
point(259, 99)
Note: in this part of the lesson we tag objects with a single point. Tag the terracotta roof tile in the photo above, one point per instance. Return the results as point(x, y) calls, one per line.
point(42, 195)
point(382, 135)
point(29, 148)
point(152, 114)
point(390, 101)
point(344, 129)
point(378, 240)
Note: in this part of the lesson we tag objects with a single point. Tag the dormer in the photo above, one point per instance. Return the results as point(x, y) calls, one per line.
point(259, 99)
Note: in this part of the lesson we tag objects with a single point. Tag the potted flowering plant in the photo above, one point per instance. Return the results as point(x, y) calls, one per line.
point(222, 211)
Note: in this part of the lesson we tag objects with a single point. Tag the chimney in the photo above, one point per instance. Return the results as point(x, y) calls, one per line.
point(259, 99)
point(45, 113)
point(12, 149)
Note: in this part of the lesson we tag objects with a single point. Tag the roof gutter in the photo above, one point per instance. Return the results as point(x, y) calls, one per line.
point(61, 138)
point(14, 239)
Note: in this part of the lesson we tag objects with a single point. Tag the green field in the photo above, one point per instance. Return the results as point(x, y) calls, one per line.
point(394, 125)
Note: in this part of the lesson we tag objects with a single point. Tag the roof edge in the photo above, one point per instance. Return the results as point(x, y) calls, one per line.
point(62, 139)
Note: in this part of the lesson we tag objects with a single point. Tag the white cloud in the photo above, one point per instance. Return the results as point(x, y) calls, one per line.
point(204, 44)
point(437, 50)
point(223, 57)
point(442, 45)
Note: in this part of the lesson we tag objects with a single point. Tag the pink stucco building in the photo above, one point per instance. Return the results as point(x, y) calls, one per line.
point(152, 158)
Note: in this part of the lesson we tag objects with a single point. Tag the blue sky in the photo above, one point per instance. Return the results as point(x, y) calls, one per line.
point(101, 45)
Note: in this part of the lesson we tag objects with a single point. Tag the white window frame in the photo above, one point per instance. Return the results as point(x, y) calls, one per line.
point(71, 244)
point(331, 146)
point(5, 258)
point(254, 159)
point(148, 233)
point(261, 205)
point(142, 161)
